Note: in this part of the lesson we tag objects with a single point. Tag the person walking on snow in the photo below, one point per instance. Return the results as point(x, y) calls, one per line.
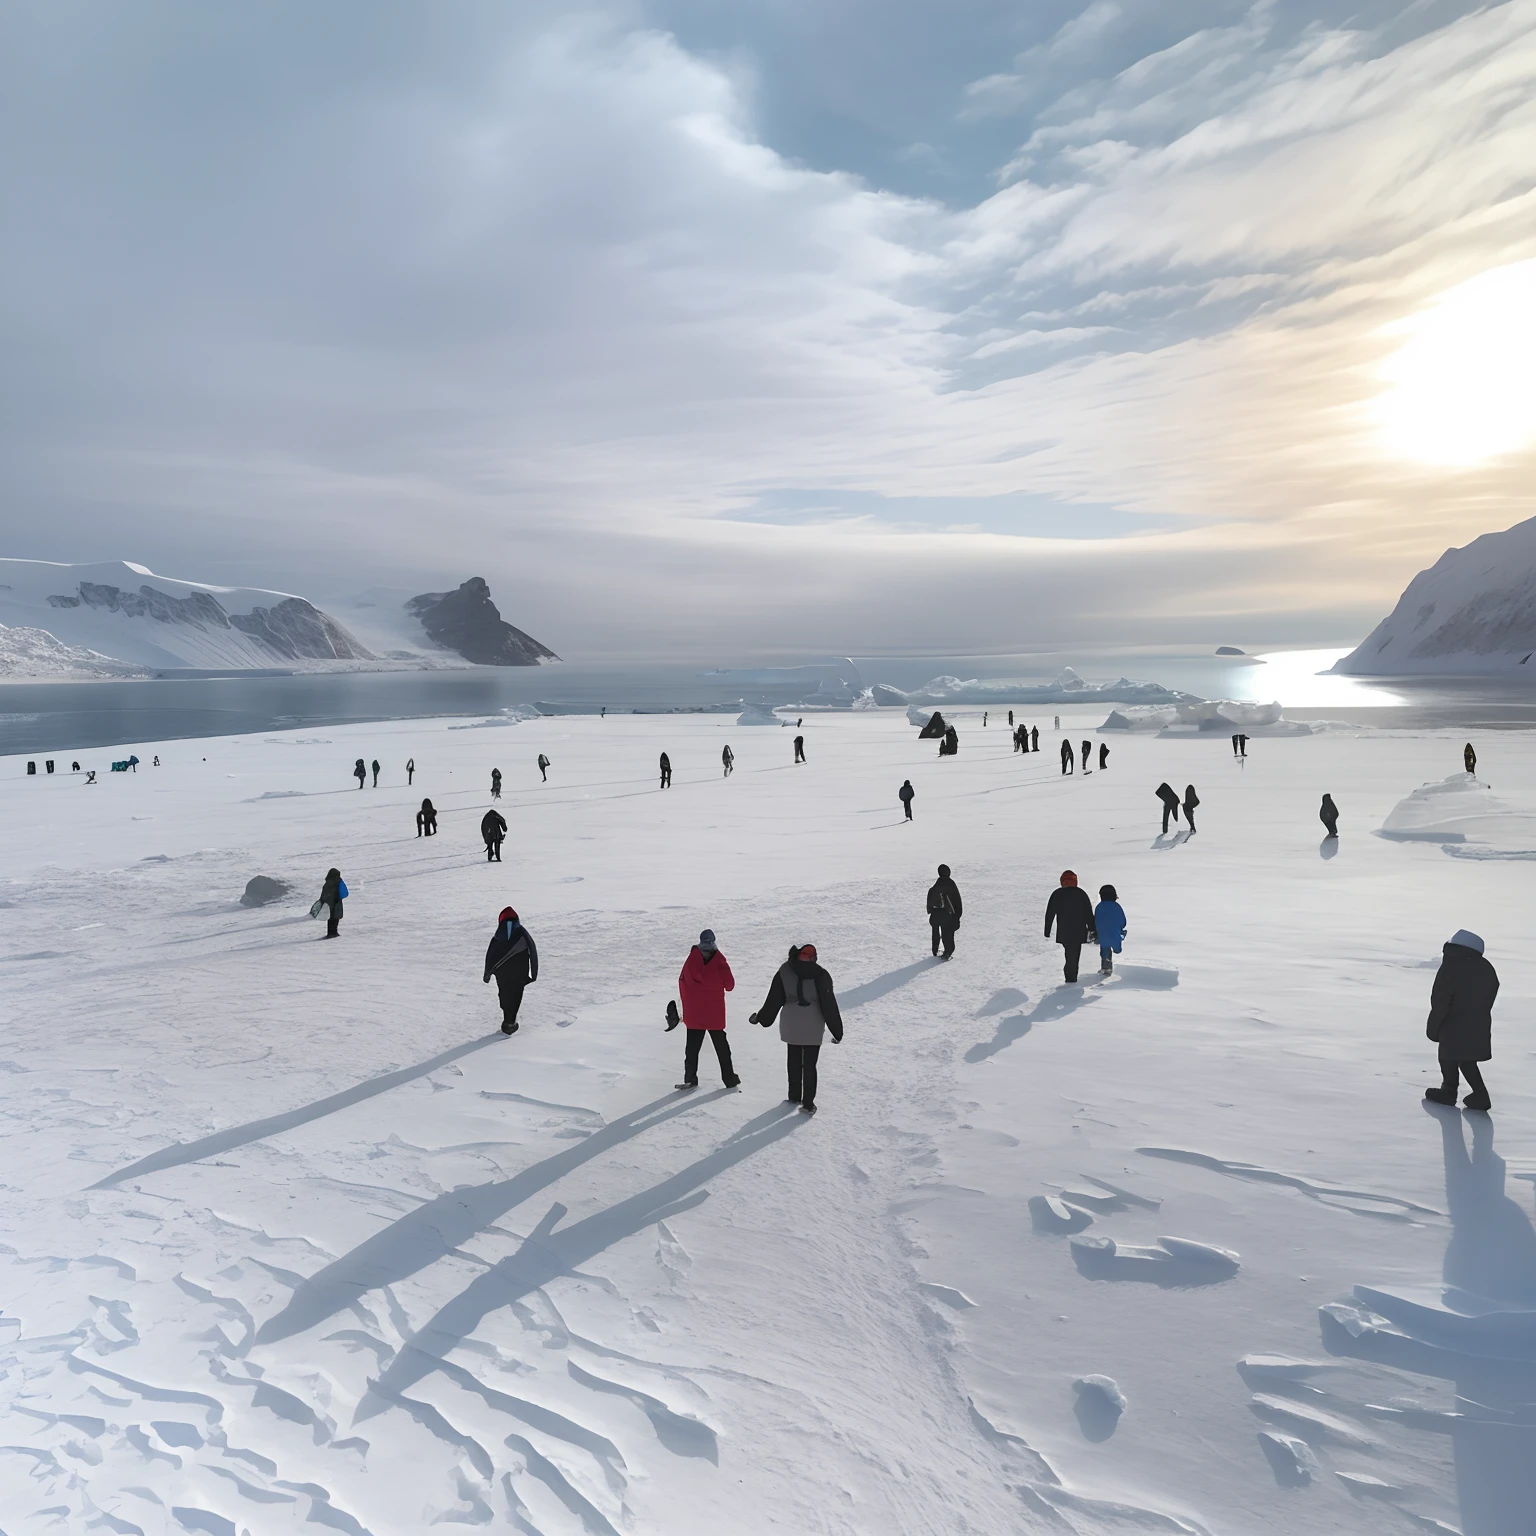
point(1170, 798)
point(426, 820)
point(1034, 738)
point(1087, 752)
point(944, 909)
point(728, 759)
point(332, 894)
point(1461, 1019)
point(493, 827)
point(905, 794)
point(702, 985)
point(799, 749)
point(543, 769)
point(495, 783)
point(983, 719)
point(802, 992)
point(1103, 755)
point(1234, 744)
point(1329, 816)
point(1109, 924)
point(666, 771)
point(359, 772)
point(1066, 756)
point(375, 773)
point(1191, 800)
point(1010, 719)
point(513, 959)
point(1469, 757)
point(410, 771)
point(1070, 910)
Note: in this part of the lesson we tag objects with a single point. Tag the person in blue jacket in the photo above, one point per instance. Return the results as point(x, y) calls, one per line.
point(1109, 924)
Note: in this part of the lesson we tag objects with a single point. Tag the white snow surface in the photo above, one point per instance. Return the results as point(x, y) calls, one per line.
point(26, 652)
point(294, 1238)
point(1472, 612)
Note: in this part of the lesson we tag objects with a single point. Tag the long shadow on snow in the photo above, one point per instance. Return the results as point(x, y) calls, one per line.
point(869, 991)
point(547, 1253)
point(1061, 1001)
point(255, 1130)
point(438, 1228)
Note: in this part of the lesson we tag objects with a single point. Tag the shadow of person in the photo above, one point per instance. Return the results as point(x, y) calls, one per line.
point(869, 991)
point(1170, 839)
point(1328, 848)
point(1056, 1004)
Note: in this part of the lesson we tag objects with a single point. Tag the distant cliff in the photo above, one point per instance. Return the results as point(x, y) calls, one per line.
point(468, 622)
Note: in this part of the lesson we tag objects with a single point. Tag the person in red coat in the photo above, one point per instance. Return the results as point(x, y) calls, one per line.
point(702, 984)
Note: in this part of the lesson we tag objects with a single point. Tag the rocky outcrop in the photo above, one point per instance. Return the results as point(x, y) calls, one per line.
point(295, 628)
point(468, 622)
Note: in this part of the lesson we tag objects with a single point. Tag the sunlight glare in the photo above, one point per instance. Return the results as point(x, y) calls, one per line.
point(1462, 388)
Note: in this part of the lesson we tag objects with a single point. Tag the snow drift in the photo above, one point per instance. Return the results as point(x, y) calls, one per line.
point(1066, 688)
point(1215, 716)
point(1457, 809)
point(1472, 611)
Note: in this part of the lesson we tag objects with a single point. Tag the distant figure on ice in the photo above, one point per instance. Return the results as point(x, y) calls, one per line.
point(1461, 1019)
point(359, 772)
point(155, 764)
point(1016, 739)
point(944, 908)
point(1010, 719)
point(1170, 798)
point(410, 770)
point(1087, 753)
point(802, 991)
point(90, 776)
point(1057, 723)
point(75, 767)
point(133, 764)
point(1070, 910)
point(543, 769)
point(332, 894)
point(983, 719)
point(1242, 745)
point(905, 794)
point(1103, 755)
point(1109, 924)
point(495, 783)
point(1469, 757)
point(1034, 738)
point(1329, 816)
point(513, 959)
point(426, 820)
point(493, 827)
point(1234, 743)
point(666, 771)
point(1191, 800)
point(702, 985)
point(728, 759)
point(799, 749)
point(1066, 756)
point(375, 773)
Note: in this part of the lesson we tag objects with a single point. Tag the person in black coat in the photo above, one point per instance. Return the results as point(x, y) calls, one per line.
point(666, 771)
point(375, 773)
point(905, 794)
point(513, 959)
point(1071, 911)
point(360, 773)
point(1170, 798)
point(944, 909)
point(1469, 757)
point(426, 820)
point(799, 749)
point(1087, 753)
point(728, 760)
point(330, 896)
point(805, 1018)
point(493, 827)
point(1461, 1019)
point(495, 783)
point(1191, 800)
point(1103, 755)
point(1034, 738)
point(1329, 816)
point(1066, 756)
point(410, 771)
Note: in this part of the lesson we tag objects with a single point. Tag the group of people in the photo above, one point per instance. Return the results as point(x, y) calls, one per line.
point(1066, 755)
point(1078, 922)
point(1170, 798)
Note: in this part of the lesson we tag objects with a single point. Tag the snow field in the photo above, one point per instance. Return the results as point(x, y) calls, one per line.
point(419, 1273)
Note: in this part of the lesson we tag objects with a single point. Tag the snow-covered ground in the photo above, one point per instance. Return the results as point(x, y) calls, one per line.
point(294, 1237)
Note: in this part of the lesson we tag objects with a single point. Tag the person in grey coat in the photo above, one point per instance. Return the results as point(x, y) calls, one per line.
point(1461, 1019)
point(802, 999)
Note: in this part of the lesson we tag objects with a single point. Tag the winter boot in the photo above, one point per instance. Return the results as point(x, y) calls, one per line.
point(1477, 1101)
point(1441, 1096)
point(807, 1109)
point(1107, 968)
point(685, 1087)
point(509, 1026)
point(733, 1082)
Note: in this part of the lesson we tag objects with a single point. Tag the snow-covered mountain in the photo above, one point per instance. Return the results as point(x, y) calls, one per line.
point(439, 629)
point(126, 612)
point(1472, 611)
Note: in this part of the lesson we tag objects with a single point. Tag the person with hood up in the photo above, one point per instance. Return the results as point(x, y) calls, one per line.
point(1010, 719)
point(1191, 800)
point(702, 985)
point(426, 820)
point(1461, 1019)
point(493, 827)
point(410, 771)
point(944, 909)
point(1469, 757)
point(543, 769)
point(1109, 924)
point(1070, 910)
point(799, 749)
point(728, 760)
point(332, 894)
point(905, 794)
point(495, 783)
point(359, 772)
point(1103, 755)
point(1329, 816)
point(1170, 798)
point(1087, 753)
point(1066, 756)
point(513, 959)
point(801, 991)
point(1034, 738)
point(375, 773)
point(666, 771)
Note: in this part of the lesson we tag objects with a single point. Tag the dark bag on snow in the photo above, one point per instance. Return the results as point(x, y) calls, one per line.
point(674, 1018)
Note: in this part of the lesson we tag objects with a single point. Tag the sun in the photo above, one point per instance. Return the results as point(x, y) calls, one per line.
point(1461, 390)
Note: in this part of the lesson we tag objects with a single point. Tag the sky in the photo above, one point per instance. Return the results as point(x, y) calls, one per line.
point(773, 326)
